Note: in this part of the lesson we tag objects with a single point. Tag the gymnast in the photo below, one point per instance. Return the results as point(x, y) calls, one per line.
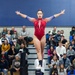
point(39, 33)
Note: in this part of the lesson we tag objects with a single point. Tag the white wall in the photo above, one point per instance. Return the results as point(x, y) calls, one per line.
point(31, 30)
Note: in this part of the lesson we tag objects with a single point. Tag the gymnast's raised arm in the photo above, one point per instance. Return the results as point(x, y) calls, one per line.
point(54, 16)
point(25, 16)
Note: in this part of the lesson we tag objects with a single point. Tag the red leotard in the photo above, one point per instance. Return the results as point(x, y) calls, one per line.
point(39, 26)
point(39, 29)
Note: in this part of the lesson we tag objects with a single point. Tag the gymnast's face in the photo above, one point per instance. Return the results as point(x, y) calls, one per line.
point(39, 14)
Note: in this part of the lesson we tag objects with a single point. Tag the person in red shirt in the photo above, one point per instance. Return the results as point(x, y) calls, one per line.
point(39, 33)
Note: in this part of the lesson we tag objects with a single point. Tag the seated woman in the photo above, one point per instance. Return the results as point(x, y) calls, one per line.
point(54, 70)
point(8, 35)
point(15, 65)
point(5, 46)
point(50, 54)
point(54, 61)
point(62, 70)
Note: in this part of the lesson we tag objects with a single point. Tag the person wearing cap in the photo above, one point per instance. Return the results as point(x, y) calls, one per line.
point(4, 66)
point(17, 46)
point(65, 61)
point(15, 65)
point(4, 38)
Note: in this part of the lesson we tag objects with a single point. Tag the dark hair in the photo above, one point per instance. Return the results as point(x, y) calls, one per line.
point(60, 67)
point(40, 10)
point(60, 42)
point(54, 65)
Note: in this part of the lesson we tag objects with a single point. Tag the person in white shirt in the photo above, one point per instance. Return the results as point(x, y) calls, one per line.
point(37, 66)
point(60, 50)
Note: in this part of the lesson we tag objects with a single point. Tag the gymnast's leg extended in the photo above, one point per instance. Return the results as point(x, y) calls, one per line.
point(37, 44)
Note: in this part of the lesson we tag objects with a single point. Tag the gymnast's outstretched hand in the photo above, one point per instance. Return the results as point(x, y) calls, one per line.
point(22, 15)
point(17, 12)
point(59, 14)
point(63, 12)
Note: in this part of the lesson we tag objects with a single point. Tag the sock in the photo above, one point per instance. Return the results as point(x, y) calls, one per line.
point(40, 62)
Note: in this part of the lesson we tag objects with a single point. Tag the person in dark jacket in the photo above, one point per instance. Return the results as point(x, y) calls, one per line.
point(11, 54)
point(4, 66)
point(24, 57)
point(57, 37)
point(54, 70)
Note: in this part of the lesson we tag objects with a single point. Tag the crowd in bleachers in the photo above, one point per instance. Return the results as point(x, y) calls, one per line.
point(12, 43)
point(61, 51)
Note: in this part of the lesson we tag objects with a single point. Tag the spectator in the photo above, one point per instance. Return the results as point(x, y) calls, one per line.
point(4, 31)
point(14, 35)
point(11, 54)
point(71, 71)
point(4, 38)
point(21, 40)
point(12, 30)
point(51, 42)
point(65, 61)
point(54, 31)
point(15, 65)
point(8, 35)
point(23, 53)
point(62, 70)
point(3, 55)
point(73, 44)
point(72, 33)
point(50, 54)
point(17, 46)
point(26, 50)
point(36, 65)
point(70, 53)
point(60, 50)
point(5, 46)
point(54, 61)
point(24, 34)
point(54, 70)
point(62, 32)
point(55, 54)
point(57, 37)
point(47, 36)
point(63, 40)
point(4, 66)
